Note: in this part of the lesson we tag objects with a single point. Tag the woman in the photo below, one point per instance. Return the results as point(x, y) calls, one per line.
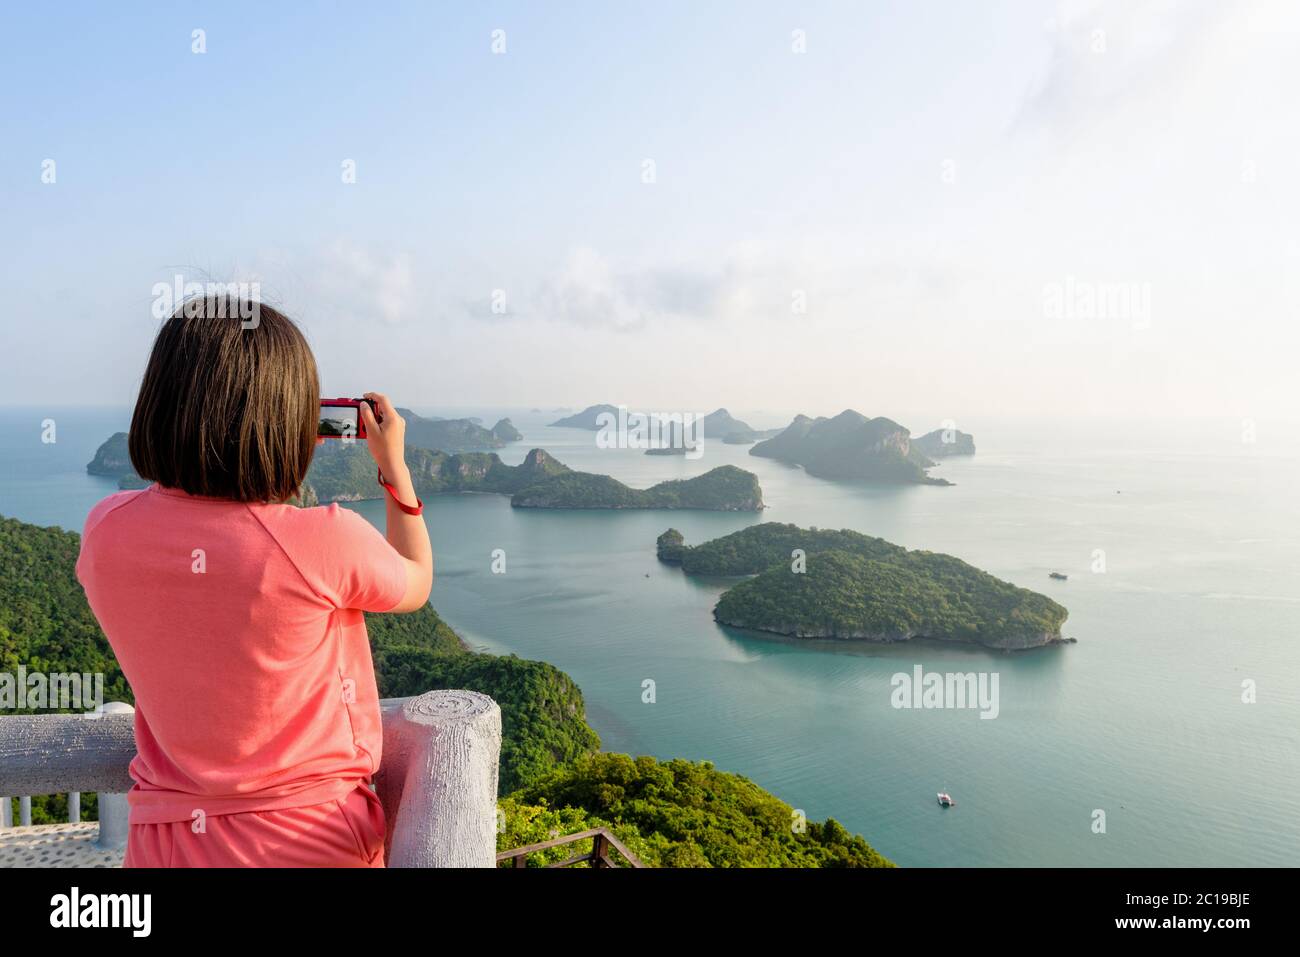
point(236, 618)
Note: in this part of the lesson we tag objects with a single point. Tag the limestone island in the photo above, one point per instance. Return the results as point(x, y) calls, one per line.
point(942, 443)
point(723, 489)
point(456, 435)
point(586, 419)
point(718, 424)
point(851, 446)
point(822, 583)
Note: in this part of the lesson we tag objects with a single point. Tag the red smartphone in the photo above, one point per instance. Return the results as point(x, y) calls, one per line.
point(341, 418)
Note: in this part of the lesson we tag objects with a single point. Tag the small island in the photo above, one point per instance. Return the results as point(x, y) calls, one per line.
point(505, 431)
point(942, 443)
point(718, 424)
point(112, 458)
point(587, 418)
point(821, 583)
point(723, 489)
point(732, 431)
point(456, 435)
point(850, 446)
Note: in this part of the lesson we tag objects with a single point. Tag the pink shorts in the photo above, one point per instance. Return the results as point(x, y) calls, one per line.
point(343, 833)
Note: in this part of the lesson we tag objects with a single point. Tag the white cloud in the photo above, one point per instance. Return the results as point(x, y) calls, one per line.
point(1106, 52)
point(383, 284)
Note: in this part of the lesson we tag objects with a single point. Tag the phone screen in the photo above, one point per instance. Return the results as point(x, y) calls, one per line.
point(338, 421)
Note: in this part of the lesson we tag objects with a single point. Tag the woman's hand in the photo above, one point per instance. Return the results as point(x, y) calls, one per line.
point(386, 439)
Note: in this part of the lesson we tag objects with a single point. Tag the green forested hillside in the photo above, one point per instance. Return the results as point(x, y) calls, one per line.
point(45, 623)
point(543, 721)
point(677, 813)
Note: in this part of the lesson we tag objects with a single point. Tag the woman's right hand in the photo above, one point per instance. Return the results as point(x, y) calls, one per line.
point(407, 533)
point(386, 439)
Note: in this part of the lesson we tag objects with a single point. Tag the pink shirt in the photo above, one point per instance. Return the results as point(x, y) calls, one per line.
point(239, 628)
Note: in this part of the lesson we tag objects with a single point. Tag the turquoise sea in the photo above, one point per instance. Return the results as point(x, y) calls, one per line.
point(1143, 718)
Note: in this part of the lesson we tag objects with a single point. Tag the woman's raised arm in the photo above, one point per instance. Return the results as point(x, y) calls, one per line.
point(407, 533)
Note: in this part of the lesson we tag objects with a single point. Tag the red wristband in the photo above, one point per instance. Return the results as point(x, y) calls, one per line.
point(415, 509)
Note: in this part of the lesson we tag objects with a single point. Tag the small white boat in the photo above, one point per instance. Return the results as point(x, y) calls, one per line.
point(945, 799)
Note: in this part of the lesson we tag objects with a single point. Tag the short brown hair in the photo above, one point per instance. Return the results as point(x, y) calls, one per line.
point(227, 408)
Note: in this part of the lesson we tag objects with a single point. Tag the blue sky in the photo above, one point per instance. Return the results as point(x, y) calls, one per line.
point(921, 177)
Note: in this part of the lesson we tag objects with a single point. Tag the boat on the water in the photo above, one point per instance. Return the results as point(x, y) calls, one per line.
point(945, 799)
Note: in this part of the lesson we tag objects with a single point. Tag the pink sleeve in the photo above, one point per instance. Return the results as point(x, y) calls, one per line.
point(349, 562)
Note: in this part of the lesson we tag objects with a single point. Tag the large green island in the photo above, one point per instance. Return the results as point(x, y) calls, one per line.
point(822, 583)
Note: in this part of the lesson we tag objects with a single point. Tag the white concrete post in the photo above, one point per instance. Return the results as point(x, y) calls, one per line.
point(74, 807)
point(438, 780)
point(25, 811)
point(114, 811)
point(6, 812)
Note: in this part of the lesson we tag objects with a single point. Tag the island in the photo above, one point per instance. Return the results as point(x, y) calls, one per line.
point(587, 418)
point(942, 443)
point(342, 473)
point(505, 431)
point(346, 473)
point(723, 489)
point(719, 424)
point(112, 458)
point(822, 583)
point(455, 435)
point(850, 446)
point(677, 442)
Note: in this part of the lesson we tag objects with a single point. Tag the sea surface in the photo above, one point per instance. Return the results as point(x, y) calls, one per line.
point(1182, 547)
